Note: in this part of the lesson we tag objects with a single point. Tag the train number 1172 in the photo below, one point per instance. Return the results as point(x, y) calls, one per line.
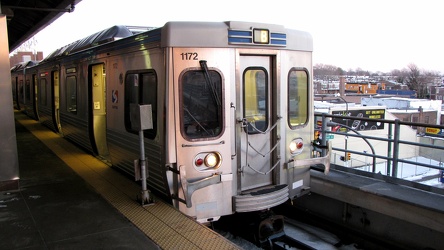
point(189, 56)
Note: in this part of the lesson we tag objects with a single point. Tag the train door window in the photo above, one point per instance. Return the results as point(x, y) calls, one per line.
point(141, 88)
point(297, 97)
point(256, 99)
point(28, 91)
point(14, 80)
point(21, 90)
point(34, 86)
point(42, 92)
point(201, 104)
point(71, 94)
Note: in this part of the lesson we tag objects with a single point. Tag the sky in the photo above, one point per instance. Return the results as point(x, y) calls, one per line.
point(373, 35)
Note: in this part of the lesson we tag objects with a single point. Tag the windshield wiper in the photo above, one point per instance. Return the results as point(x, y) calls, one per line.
point(203, 65)
point(196, 121)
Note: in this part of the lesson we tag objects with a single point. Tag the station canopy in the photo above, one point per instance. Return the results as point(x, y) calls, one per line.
point(25, 18)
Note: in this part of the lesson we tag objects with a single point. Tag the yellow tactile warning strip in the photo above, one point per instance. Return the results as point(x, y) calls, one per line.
point(166, 226)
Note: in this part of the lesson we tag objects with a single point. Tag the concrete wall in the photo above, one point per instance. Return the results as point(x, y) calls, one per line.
point(432, 153)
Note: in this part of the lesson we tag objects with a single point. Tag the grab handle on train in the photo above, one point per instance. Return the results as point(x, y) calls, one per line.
point(325, 160)
point(190, 187)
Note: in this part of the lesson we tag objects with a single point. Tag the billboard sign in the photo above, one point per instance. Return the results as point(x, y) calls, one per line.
point(434, 131)
point(357, 124)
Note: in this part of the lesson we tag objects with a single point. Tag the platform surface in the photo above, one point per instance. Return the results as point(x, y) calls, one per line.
point(68, 199)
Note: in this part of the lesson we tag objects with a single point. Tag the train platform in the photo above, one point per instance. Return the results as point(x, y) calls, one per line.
point(68, 199)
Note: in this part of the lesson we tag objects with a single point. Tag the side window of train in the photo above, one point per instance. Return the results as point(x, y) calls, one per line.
point(141, 88)
point(298, 97)
point(256, 99)
point(201, 104)
point(21, 90)
point(71, 94)
point(28, 90)
point(42, 92)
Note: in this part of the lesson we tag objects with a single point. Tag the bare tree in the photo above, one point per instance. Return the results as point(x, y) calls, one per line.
point(432, 77)
point(400, 75)
point(325, 70)
point(417, 81)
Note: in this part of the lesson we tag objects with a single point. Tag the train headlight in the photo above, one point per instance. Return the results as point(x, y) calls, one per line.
point(207, 161)
point(211, 160)
point(296, 146)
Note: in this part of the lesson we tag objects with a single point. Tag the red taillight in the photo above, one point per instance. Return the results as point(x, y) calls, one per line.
point(296, 146)
point(300, 145)
point(199, 161)
point(207, 160)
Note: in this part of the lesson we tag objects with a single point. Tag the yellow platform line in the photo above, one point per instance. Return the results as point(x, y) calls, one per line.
point(166, 226)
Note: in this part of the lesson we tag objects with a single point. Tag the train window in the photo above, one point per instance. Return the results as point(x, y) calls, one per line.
point(34, 86)
point(141, 88)
point(21, 90)
point(256, 99)
point(201, 104)
point(297, 97)
point(71, 94)
point(42, 92)
point(28, 91)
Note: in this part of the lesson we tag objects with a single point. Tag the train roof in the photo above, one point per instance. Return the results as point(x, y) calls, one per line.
point(217, 34)
point(23, 65)
point(194, 34)
point(107, 35)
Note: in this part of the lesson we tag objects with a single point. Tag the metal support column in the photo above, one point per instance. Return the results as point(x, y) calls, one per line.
point(396, 148)
point(145, 197)
point(9, 169)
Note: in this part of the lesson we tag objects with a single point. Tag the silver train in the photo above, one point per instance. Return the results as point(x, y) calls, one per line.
point(231, 104)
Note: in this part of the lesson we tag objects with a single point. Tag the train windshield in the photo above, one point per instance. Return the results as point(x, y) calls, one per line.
point(297, 98)
point(201, 112)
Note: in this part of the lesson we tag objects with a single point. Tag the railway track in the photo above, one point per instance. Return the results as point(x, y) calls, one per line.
point(299, 235)
point(295, 235)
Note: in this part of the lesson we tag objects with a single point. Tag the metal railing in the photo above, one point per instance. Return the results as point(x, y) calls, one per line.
point(393, 138)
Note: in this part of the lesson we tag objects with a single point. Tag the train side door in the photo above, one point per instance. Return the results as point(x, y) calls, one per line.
point(20, 94)
point(35, 96)
point(15, 88)
point(255, 123)
point(97, 110)
point(55, 87)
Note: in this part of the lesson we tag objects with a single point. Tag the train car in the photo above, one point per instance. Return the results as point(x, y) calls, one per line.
point(232, 110)
point(24, 88)
point(47, 73)
point(31, 105)
point(15, 80)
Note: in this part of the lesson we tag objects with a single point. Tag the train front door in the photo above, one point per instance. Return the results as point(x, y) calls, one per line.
point(98, 111)
point(256, 124)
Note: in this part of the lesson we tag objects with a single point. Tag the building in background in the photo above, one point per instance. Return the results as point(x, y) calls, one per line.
point(24, 56)
point(409, 110)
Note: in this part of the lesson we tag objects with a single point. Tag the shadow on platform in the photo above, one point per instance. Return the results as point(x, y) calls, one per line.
point(56, 209)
